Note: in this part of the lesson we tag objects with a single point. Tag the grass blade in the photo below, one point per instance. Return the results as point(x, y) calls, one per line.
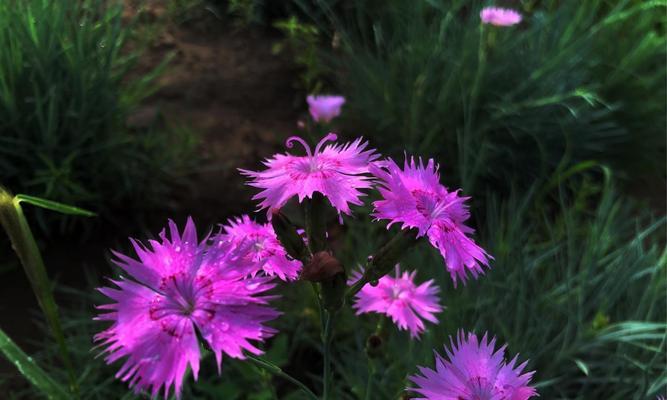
point(30, 370)
point(23, 242)
point(53, 205)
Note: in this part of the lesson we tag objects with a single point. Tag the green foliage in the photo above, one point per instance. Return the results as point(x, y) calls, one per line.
point(580, 292)
point(30, 369)
point(65, 95)
point(522, 117)
point(575, 81)
point(15, 225)
point(303, 41)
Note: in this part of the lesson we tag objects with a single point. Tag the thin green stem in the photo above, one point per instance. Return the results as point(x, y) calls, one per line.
point(383, 260)
point(474, 157)
point(371, 378)
point(481, 69)
point(23, 242)
point(276, 370)
point(326, 342)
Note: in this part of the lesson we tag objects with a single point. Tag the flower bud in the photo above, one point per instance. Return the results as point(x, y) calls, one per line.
point(374, 346)
point(288, 236)
point(322, 267)
point(390, 254)
point(329, 272)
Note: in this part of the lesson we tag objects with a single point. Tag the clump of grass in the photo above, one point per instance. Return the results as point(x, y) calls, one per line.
point(576, 81)
point(579, 290)
point(65, 95)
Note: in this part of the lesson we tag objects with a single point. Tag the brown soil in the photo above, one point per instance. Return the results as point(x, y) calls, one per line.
point(225, 84)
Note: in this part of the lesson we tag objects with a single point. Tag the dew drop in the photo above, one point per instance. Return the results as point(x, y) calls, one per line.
point(224, 326)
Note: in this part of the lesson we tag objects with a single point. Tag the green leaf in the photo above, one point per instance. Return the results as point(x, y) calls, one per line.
point(278, 354)
point(30, 370)
point(582, 366)
point(53, 205)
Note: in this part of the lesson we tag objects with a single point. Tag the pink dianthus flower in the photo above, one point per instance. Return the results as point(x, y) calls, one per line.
point(415, 198)
point(180, 285)
point(499, 16)
point(336, 171)
point(473, 371)
point(265, 249)
point(401, 299)
point(324, 108)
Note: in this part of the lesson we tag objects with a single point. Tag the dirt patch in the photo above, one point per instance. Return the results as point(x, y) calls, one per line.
point(225, 84)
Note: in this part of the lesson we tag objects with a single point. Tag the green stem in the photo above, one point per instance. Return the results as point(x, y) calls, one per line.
point(276, 370)
point(315, 218)
point(326, 342)
point(371, 378)
point(23, 242)
point(481, 69)
point(384, 260)
point(468, 156)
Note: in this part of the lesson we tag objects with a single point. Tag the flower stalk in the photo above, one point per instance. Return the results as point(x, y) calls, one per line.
point(327, 335)
point(276, 370)
point(384, 260)
point(316, 229)
point(289, 237)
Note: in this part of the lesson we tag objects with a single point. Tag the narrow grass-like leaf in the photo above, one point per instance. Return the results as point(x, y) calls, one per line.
point(30, 370)
point(23, 242)
point(53, 205)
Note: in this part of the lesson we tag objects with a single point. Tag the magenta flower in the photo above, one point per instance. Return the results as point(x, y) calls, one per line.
point(499, 16)
point(415, 198)
point(324, 108)
point(181, 285)
point(401, 299)
point(473, 371)
point(265, 249)
point(336, 171)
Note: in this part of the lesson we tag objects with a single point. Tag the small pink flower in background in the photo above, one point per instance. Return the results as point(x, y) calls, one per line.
point(401, 299)
point(265, 249)
point(473, 371)
point(415, 198)
point(338, 171)
point(499, 16)
point(324, 108)
point(179, 285)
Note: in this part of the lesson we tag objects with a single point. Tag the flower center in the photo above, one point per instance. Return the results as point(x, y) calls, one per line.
point(181, 296)
point(479, 388)
point(429, 204)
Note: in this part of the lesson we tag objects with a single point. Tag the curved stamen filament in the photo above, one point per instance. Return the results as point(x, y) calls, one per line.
point(290, 143)
point(329, 137)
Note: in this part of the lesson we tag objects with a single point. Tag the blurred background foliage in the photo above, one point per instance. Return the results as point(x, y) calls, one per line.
point(556, 127)
point(66, 93)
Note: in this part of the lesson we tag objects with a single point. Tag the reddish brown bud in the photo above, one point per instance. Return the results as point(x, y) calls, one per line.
point(322, 267)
